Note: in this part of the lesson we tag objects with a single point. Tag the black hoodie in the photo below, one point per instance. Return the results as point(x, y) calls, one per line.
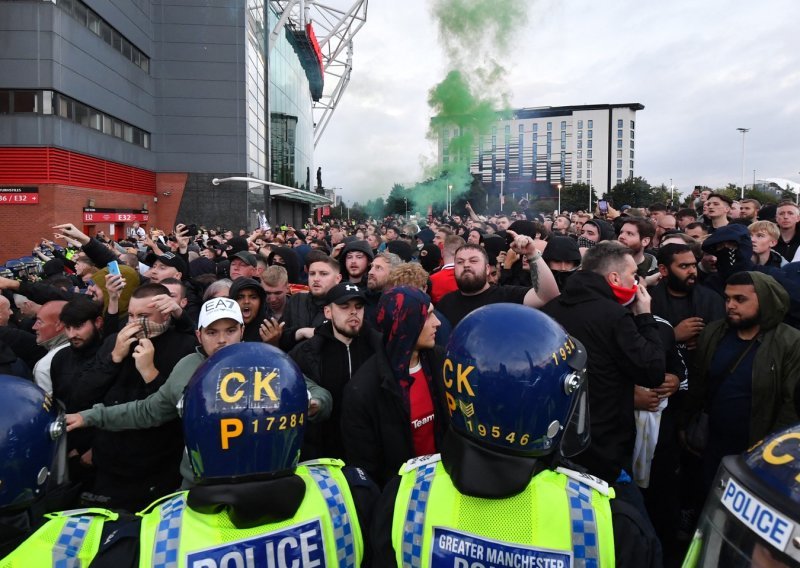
point(250, 329)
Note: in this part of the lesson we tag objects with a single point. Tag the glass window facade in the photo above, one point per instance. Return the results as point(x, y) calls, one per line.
point(290, 106)
point(54, 103)
point(98, 26)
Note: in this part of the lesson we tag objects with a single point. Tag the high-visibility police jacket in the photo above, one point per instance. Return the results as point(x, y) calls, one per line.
point(561, 520)
point(70, 539)
point(324, 531)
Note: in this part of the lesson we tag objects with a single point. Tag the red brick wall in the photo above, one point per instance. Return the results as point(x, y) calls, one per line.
point(60, 177)
point(168, 205)
point(21, 226)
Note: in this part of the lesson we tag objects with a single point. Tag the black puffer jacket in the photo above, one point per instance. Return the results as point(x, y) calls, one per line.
point(331, 364)
point(376, 422)
point(624, 350)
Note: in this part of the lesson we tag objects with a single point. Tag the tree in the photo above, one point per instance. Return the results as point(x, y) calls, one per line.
point(396, 203)
point(476, 197)
point(358, 212)
point(635, 192)
point(375, 208)
point(576, 197)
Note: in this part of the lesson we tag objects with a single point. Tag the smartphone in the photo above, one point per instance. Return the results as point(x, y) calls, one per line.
point(191, 230)
point(603, 206)
point(113, 268)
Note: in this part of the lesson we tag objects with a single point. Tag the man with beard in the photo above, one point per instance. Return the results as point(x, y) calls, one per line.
point(637, 234)
point(394, 408)
point(474, 291)
point(444, 281)
point(377, 278)
point(678, 299)
point(220, 325)
point(746, 370)
point(82, 318)
point(331, 358)
point(136, 467)
point(304, 311)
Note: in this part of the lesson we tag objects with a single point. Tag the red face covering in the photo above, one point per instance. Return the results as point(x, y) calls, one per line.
point(624, 295)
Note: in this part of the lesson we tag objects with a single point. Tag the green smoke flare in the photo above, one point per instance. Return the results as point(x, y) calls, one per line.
point(474, 34)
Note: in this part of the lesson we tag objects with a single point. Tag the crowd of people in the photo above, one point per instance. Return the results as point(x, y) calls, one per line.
point(688, 319)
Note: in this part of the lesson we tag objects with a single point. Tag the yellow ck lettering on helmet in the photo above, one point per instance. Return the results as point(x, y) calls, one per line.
point(461, 379)
point(771, 457)
point(230, 428)
point(447, 368)
point(224, 394)
point(262, 385)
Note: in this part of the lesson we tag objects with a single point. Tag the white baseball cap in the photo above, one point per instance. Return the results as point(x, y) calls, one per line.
point(217, 309)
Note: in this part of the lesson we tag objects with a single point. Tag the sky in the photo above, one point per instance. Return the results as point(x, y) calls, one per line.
point(700, 68)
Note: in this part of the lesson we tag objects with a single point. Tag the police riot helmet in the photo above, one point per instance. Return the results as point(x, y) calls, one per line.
point(244, 411)
point(31, 423)
point(752, 515)
point(515, 382)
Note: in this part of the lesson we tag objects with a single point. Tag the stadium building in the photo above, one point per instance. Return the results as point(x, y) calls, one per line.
point(112, 113)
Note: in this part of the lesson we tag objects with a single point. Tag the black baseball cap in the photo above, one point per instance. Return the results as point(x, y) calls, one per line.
point(343, 293)
point(175, 261)
point(246, 257)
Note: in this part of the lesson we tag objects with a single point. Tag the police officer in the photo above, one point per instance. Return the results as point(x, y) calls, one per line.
point(502, 493)
point(244, 413)
point(31, 453)
point(752, 516)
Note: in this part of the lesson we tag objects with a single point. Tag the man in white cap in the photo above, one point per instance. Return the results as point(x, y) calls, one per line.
point(220, 324)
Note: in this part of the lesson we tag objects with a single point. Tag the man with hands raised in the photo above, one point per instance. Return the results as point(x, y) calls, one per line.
point(474, 290)
point(134, 467)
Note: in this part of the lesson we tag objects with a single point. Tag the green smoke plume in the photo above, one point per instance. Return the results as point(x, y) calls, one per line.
point(470, 27)
point(475, 35)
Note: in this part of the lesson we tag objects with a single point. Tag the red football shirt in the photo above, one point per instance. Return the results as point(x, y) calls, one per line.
point(443, 282)
point(423, 415)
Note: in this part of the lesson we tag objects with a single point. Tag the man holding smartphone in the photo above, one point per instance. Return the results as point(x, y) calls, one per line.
point(135, 467)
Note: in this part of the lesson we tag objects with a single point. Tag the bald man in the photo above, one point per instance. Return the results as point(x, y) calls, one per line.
point(50, 335)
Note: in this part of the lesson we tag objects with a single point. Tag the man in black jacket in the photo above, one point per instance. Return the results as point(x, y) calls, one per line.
point(624, 350)
point(394, 408)
point(331, 358)
point(678, 299)
point(304, 311)
point(135, 467)
point(83, 319)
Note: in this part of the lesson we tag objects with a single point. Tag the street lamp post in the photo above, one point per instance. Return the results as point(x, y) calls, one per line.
point(449, 200)
point(558, 185)
point(743, 131)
